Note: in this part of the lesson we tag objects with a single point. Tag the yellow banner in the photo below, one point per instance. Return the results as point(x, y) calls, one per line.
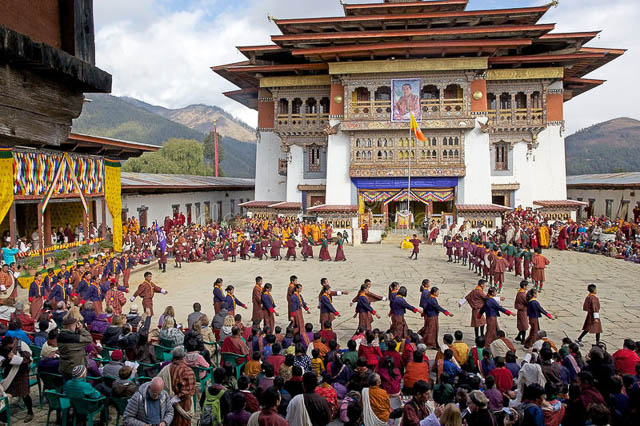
point(6, 181)
point(112, 195)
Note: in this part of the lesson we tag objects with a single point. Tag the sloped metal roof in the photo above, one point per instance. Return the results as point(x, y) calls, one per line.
point(148, 181)
point(626, 178)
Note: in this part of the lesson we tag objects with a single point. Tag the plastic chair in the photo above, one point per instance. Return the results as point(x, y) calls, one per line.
point(141, 374)
point(89, 407)
point(57, 402)
point(106, 353)
point(163, 353)
point(203, 382)
point(6, 408)
point(50, 381)
point(232, 358)
point(34, 380)
point(120, 404)
point(35, 352)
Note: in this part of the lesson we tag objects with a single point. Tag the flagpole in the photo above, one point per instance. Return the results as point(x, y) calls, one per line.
point(409, 185)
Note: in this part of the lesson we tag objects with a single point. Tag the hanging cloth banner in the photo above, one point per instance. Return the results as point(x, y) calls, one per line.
point(6, 181)
point(422, 196)
point(65, 162)
point(112, 195)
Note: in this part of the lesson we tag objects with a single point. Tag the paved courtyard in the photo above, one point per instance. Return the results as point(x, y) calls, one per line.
point(567, 275)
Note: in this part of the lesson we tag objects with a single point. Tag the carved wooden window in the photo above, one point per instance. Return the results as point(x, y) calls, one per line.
point(324, 106)
point(311, 106)
point(283, 106)
point(505, 101)
point(282, 166)
point(501, 156)
point(314, 159)
point(491, 100)
point(296, 106)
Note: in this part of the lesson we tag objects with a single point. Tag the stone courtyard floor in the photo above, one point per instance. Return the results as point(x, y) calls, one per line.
point(567, 277)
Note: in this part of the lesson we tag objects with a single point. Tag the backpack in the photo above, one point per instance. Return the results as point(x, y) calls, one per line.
point(211, 410)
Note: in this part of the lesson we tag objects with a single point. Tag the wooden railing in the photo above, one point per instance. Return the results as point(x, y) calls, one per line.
point(518, 115)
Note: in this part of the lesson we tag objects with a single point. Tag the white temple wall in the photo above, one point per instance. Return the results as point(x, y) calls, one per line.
point(295, 175)
point(521, 172)
point(549, 174)
point(340, 190)
point(475, 187)
point(270, 186)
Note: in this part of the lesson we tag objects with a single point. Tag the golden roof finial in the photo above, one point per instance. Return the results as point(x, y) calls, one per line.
point(270, 17)
point(554, 3)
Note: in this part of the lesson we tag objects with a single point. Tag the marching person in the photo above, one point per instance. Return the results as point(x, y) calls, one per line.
point(476, 299)
point(297, 305)
point(36, 296)
point(492, 310)
point(399, 307)
point(256, 300)
point(539, 263)
point(432, 311)
point(534, 312)
point(364, 311)
point(592, 322)
point(327, 311)
point(218, 295)
point(520, 304)
point(230, 301)
point(268, 307)
point(416, 247)
point(146, 291)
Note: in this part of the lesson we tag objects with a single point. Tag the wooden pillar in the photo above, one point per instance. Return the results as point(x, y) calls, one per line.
point(12, 223)
point(85, 224)
point(47, 227)
point(103, 209)
point(385, 212)
point(40, 226)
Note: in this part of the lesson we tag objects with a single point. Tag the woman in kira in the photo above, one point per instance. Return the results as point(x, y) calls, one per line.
point(231, 301)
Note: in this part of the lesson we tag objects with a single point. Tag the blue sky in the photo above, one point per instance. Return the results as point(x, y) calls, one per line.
point(160, 51)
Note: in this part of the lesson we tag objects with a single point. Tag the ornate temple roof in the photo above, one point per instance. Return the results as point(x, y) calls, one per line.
point(396, 30)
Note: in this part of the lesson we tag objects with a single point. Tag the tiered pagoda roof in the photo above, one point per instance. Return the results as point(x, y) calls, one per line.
point(396, 29)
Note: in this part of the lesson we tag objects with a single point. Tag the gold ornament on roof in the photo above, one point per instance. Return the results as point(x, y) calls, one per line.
point(477, 95)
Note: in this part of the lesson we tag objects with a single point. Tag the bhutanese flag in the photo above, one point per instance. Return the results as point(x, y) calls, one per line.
point(416, 129)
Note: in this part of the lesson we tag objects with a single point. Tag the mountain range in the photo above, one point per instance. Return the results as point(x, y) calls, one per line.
point(609, 147)
point(130, 119)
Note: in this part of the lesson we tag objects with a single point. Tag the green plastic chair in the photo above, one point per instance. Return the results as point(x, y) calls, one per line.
point(34, 380)
point(120, 404)
point(6, 408)
point(141, 377)
point(106, 353)
point(50, 381)
point(162, 353)
point(203, 382)
point(231, 358)
point(57, 402)
point(35, 352)
point(89, 407)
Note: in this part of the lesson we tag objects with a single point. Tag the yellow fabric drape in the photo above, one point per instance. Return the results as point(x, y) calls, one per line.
point(112, 195)
point(6, 181)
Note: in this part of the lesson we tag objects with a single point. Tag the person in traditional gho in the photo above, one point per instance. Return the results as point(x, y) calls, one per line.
point(432, 311)
point(499, 268)
point(339, 250)
point(425, 293)
point(364, 311)
point(492, 311)
point(399, 306)
point(293, 281)
point(324, 250)
point(258, 252)
point(416, 247)
point(520, 304)
point(539, 263)
point(245, 246)
point(592, 323)
point(326, 302)
point(448, 245)
point(230, 301)
point(527, 256)
point(297, 305)
point(476, 299)
point(290, 244)
point(534, 312)
point(465, 251)
point(146, 291)
point(456, 250)
point(232, 250)
point(36, 296)
point(274, 251)
point(256, 300)
point(328, 312)
point(268, 307)
point(517, 261)
point(218, 295)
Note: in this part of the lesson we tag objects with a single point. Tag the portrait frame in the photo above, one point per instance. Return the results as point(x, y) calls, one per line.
point(399, 108)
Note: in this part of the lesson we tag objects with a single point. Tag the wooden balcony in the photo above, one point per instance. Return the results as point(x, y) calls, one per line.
point(431, 108)
point(305, 123)
point(518, 117)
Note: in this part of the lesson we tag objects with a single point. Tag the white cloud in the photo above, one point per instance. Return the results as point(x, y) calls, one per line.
point(160, 51)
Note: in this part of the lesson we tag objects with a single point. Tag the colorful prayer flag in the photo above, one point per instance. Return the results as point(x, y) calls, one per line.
point(416, 129)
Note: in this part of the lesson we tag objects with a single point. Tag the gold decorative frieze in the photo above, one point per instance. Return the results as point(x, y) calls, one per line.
point(505, 186)
point(295, 81)
point(525, 73)
point(403, 65)
point(376, 171)
point(424, 124)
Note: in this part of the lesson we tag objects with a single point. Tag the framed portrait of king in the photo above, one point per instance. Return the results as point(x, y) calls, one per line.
point(405, 99)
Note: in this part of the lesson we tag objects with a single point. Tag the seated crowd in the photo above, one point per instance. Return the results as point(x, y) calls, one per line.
point(239, 375)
